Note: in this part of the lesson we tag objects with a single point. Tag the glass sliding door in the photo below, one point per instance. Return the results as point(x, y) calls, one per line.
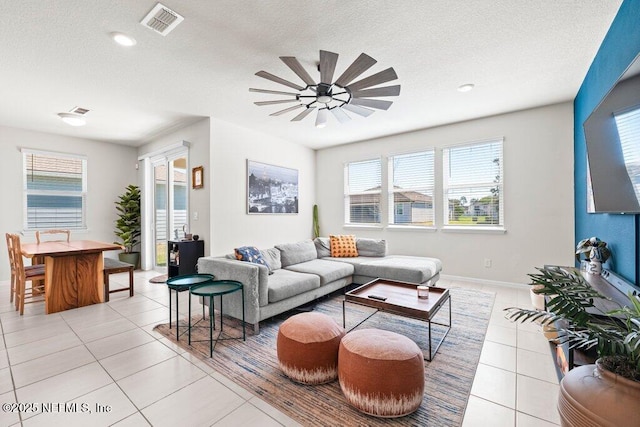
point(170, 204)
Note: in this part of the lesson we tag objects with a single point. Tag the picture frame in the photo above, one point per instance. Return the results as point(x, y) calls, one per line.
point(271, 189)
point(197, 177)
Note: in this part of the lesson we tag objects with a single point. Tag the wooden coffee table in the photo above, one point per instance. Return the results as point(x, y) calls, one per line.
point(401, 298)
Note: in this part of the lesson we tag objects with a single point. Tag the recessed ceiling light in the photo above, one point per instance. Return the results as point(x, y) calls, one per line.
point(72, 119)
point(466, 87)
point(123, 39)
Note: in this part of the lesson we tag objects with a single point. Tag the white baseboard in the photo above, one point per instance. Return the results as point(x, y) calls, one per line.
point(485, 281)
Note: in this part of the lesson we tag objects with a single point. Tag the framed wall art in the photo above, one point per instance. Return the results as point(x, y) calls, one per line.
point(271, 189)
point(197, 178)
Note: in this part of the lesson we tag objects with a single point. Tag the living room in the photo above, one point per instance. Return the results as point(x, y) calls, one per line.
point(543, 162)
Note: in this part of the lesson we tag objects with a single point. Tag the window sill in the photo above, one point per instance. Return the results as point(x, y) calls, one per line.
point(427, 229)
point(363, 226)
point(473, 229)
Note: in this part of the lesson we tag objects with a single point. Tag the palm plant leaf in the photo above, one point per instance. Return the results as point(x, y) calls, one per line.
point(572, 311)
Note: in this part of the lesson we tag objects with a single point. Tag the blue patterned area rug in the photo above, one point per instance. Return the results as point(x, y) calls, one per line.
point(448, 378)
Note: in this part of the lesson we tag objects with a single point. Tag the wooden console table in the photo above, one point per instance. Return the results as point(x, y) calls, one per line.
point(73, 272)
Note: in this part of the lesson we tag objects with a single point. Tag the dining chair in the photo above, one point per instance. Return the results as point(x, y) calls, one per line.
point(38, 233)
point(24, 295)
point(12, 266)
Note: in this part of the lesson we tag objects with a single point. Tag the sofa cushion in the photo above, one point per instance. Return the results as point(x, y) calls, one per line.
point(328, 271)
point(295, 253)
point(272, 256)
point(323, 246)
point(401, 268)
point(250, 254)
point(284, 284)
point(371, 247)
point(343, 245)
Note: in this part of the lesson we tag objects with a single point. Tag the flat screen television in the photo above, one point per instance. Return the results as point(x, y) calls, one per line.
point(612, 133)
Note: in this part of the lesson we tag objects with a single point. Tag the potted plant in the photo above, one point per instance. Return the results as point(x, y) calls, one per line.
point(128, 224)
point(573, 312)
point(595, 251)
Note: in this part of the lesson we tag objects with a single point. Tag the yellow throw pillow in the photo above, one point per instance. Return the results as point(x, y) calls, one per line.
point(343, 246)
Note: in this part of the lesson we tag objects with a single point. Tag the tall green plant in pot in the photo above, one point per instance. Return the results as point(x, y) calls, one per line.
point(128, 224)
point(574, 310)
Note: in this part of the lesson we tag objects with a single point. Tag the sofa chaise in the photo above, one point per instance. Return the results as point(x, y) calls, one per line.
point(298, 273)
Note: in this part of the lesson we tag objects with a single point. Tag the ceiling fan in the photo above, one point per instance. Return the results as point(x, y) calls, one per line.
point(328, 95)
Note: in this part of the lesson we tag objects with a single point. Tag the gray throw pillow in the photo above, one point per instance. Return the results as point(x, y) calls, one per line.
point(272, 256)
point(323, 246)
point(371, 247)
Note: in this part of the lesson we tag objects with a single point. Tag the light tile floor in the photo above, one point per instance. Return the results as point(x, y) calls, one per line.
point(104, 365)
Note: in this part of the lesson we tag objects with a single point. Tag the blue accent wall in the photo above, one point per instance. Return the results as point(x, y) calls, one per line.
point(619, 48)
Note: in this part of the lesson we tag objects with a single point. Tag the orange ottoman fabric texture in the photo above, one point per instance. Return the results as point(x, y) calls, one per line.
point(381, 373)
point(308, 348)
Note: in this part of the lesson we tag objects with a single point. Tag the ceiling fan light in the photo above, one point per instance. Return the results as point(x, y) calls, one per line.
point(321, 118)
point(72, 119)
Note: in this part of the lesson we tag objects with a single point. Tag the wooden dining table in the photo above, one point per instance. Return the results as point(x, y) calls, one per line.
point(73, 272)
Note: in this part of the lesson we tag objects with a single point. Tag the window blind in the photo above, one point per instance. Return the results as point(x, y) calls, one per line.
point(628, 124)
point(363, 182)
point(55, 190)
point(411, 183)
point(473, 184)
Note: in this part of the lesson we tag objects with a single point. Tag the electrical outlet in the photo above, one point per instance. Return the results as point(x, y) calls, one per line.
point(195, 216)
point(487, 263)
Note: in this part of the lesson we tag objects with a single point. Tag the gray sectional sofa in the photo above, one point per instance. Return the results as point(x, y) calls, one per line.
point(304, 271)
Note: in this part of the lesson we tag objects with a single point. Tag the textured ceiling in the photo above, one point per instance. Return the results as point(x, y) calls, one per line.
point(57, 55)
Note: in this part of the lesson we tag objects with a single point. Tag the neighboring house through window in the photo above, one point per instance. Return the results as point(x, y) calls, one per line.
point(410, 188)
point(473, 184)
point(362, 192)
point(55, 190)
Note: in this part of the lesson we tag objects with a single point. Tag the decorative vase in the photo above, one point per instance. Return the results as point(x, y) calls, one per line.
point(595, 267)
point(132, 258)
point(590, 395)
point(537, 300)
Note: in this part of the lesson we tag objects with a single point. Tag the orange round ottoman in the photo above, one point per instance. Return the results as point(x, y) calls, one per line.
point(308, 348)
point(381, 373)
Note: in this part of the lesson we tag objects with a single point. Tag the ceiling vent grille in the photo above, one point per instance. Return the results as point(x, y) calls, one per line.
point(79, 110)
point(161, 19)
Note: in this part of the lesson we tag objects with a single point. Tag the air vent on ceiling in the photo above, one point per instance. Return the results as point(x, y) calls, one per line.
point(79, 110)
point(161, 19)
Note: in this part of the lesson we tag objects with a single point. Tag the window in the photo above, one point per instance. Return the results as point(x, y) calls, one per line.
point(362, 192)
point(628, 125)
point(55, 187)
point(473, 184)
point(411, 182)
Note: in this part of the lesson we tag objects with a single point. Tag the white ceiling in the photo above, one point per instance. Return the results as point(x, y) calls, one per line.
point(58, 55)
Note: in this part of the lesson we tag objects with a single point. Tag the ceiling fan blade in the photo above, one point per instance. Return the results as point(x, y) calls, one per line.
point(302, 115)
point(321, 118)
point(376, 79)
point(339, 114)
point(380, 91)
point(359, 66)
point(277, 79)
point(297, 68)
point(286, 110)
point(373, 103)
point(274, 92)
point(328, 62)
point(279, 101)
point(364, 112)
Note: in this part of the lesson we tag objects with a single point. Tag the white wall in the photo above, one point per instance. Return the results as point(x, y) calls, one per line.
point(231, 226)
point(538, 194)
point(110, 168)
point(197, 135)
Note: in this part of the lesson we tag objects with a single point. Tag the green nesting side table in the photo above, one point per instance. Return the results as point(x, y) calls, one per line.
point(184, 283)
point(210, 290)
